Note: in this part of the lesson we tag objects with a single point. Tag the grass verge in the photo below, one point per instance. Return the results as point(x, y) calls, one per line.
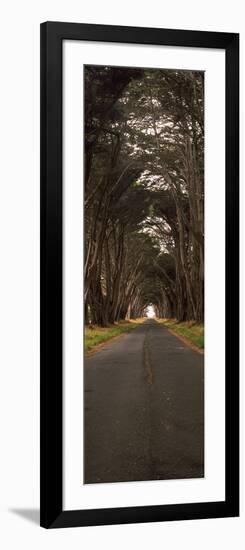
point(97, 335)
point(193, 332)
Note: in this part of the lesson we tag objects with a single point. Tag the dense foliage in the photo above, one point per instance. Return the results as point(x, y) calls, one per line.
point(144, 193)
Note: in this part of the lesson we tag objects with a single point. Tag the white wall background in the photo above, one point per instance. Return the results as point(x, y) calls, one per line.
point(19, 271)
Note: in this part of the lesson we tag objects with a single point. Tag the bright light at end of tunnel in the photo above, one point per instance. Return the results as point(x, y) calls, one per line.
point(150, 312)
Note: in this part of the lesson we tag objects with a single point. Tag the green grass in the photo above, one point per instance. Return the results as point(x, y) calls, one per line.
point(194, 332)
point(97, 335)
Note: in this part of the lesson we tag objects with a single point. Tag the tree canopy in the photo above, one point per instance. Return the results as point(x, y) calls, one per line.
point(144, 193)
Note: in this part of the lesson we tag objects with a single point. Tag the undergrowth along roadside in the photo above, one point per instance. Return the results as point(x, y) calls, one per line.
point(194, 332)
point(96, 335)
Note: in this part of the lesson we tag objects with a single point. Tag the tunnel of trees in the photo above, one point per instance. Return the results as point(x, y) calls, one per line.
point(144, 193)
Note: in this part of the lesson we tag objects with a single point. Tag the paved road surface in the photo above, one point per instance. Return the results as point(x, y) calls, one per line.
point(144, 409)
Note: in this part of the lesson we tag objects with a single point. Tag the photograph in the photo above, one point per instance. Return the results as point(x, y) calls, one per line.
point(143, 276)
point(139, 268)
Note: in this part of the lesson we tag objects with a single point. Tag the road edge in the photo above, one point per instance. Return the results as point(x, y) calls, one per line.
point(185, 341)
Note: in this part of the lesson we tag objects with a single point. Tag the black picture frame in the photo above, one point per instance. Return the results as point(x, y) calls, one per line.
point(52, 35)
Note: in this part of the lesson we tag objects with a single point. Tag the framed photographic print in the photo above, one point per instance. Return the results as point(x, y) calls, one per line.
point(139, 256)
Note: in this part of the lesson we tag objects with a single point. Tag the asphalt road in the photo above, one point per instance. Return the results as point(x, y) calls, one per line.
point(144, 409)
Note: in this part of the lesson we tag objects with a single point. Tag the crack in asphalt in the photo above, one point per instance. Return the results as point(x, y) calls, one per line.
point(146, 360)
